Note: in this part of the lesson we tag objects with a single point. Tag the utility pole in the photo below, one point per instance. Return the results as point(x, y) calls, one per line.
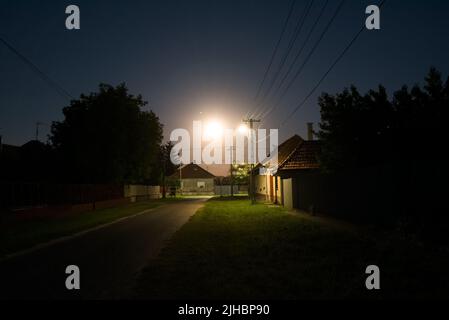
point(164, 171)
point(180, 179)
point(39, 124)
point(231, 151)
point(37, 131)
point(251, 176)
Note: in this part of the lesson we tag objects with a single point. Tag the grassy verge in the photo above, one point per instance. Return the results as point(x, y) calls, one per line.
point(23, 235)
point(231, 250)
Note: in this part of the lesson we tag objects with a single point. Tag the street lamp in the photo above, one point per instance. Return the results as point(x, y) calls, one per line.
point(213, 130)
point(243, 129)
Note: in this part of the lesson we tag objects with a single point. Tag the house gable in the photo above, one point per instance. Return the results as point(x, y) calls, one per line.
point(304, 157)
point(192, 171)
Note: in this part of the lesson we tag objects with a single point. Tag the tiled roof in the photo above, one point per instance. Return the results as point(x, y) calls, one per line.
point(192, 171)
point(286, 148)
point(304, 157)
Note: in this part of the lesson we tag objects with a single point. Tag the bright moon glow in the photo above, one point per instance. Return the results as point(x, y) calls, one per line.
point(213, 131)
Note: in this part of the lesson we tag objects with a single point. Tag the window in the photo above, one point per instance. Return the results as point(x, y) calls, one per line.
point(201, 184)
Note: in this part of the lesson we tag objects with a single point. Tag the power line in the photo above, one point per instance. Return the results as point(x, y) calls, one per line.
point(297, 32)
point(306, 60)
point(273, 56)
point(350, 44)
point(59, 89)
point(323, 9)
point(264, 111)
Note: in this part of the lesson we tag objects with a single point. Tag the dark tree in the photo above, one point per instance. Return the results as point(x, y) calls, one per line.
point(422, 118)
point(241, 173)
point(362, 131)
point(405, 137)
point(355, 129)
point(166, 166)
point(106, 137)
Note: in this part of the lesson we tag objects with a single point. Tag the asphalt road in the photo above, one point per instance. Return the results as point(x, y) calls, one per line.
point(109, 259)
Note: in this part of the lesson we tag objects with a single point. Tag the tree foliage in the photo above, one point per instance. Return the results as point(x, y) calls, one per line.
point(107, 137)
point(365, 130)
point(241, 173)
point(401, 140)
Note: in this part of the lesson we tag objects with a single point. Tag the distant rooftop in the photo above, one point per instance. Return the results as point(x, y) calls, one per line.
point(192, 171)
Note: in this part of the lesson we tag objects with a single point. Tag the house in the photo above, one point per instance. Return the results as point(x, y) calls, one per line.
point(267, 186)
point(303, 161)
point(296, 158)
point(27, 163)
point(194, 180)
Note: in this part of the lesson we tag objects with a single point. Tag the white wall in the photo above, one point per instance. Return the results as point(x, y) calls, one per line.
point(260, 184)
point(190, 186)
point(287, 191)
point(134, 192)
point(225, 190)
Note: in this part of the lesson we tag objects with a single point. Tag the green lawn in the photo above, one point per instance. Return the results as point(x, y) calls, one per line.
point(26, 234)
point(231, 250)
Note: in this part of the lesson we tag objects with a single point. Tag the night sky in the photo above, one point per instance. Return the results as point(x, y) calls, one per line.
point(203, 59)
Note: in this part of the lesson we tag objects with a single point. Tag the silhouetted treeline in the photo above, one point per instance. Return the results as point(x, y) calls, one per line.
point(105, 137)
point(407, 135)
point(362, 130)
